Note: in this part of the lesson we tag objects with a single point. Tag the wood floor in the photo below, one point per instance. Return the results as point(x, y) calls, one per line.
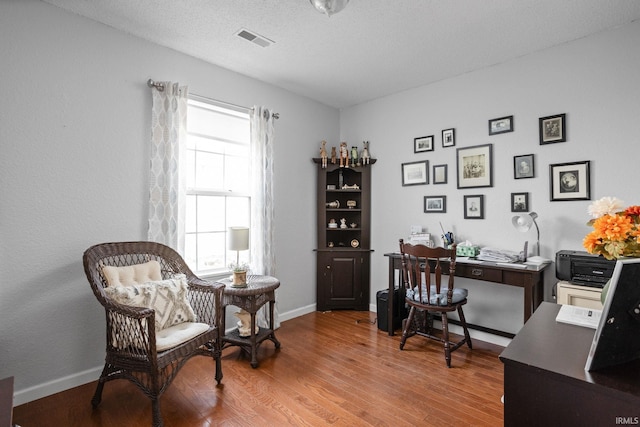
point(334, 368)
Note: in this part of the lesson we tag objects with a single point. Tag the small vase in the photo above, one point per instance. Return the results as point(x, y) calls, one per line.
point(239, 277)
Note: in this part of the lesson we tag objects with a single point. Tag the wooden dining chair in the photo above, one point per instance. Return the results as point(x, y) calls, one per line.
point(422, 277)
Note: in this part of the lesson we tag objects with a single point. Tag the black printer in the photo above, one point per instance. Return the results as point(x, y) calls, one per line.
point(583, 268)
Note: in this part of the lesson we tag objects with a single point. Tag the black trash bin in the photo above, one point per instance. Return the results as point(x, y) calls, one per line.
point(399, 310)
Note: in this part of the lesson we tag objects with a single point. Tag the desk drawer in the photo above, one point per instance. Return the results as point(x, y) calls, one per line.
point(479, 272)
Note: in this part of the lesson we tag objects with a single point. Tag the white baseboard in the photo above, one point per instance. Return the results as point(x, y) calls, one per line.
point(39, 391)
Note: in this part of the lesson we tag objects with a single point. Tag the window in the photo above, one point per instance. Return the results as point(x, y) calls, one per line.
point(218, 197)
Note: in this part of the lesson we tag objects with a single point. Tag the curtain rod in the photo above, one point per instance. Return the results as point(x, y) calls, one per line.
point(160, 87)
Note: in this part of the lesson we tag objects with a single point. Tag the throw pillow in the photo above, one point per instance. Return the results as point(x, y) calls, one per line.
point(132, 274)
point(167, 297)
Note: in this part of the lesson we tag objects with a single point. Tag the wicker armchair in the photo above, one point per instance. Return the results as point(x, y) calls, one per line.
point(131, 347)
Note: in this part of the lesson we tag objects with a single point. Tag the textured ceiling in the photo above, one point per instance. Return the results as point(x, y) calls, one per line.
point(371, 49)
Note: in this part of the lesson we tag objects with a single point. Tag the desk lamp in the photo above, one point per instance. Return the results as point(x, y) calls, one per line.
point(238, 241)
point(523, 223)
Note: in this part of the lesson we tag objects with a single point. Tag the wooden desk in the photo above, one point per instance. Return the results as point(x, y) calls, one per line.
point(531, 279)
point(259, 291)
point(545, 383)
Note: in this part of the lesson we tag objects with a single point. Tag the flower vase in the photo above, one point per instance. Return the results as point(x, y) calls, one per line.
point(240, 278)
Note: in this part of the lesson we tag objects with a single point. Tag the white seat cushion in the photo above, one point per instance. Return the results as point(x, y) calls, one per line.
point(176, 335)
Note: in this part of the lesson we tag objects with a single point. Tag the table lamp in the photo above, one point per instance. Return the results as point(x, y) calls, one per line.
point(238, 241)
point(523, 223)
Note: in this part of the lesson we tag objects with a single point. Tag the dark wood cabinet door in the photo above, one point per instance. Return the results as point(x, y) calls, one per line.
point(343, 280)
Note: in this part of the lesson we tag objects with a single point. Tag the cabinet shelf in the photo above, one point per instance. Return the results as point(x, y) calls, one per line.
point(343, 276)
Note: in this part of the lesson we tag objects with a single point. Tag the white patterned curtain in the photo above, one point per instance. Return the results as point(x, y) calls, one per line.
point(262, 243)
point(167, 184)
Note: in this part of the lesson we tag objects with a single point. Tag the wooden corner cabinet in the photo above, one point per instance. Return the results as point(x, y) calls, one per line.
point(344, 236)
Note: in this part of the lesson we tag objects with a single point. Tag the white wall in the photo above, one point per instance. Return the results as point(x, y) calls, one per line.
point(74, 131)
point(595, 81)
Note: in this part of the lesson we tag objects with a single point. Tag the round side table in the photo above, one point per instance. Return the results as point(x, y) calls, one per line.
point(259, 291)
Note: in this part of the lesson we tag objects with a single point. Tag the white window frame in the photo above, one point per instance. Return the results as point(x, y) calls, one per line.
point(196, 101)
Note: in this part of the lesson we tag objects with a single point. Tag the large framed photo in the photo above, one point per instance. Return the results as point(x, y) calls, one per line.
point(475, 166)
point(474, 207)
point(440, 174)
point(501, 125)
point(435, 204)
point(523, 166)
point(570, 181)
point(415, 173)
point(424, 143)
point(519, 202)
point(449, 137)
point(552, 129)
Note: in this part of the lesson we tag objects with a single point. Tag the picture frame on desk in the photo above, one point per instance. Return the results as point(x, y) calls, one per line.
point(474, 207)
point(474, 166)
point(570, 181)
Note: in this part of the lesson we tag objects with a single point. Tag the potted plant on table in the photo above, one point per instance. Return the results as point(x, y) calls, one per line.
point(239, 273)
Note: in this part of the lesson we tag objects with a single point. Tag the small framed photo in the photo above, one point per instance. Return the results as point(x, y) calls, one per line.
point(424, 143)
point(440, 174)
point(570, 181)
point(519, 202)
point(474, 207)
point(474, 166)
point(449, 137)
point(501, 125)
point(552, 129)
point(435, 204)
point(523, 166)
point(415, 173)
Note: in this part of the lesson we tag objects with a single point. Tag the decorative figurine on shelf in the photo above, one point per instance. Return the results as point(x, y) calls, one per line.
point(365, 153)
point(350, 187)
point(333, 205)
point(351, 204)
point(323, 153)
point(343, 223)
point(333, 223)
point(344, 155)
point(354, 157)
point(353, 225)
point(334, 156)
point(244, 324)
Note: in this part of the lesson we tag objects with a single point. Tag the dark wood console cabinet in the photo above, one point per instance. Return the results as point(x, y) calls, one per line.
point(343, 253)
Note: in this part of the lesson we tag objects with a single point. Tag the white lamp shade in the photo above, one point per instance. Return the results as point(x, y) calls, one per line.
point(524, 222)
point(238, 238)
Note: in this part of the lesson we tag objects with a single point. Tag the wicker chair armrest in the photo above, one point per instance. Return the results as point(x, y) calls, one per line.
point(206, 300)
point(131, 329)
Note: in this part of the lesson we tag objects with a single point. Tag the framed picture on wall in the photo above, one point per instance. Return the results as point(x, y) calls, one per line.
point(435, 204)
point(570, 181)
point(474, 166)
point(501, 125)
point(415, 173)
point(519, 202)
point(523, 166)
point(424, 143)
point(474, 207)
point(440, 174)
point(552, 129)
point(449, 137)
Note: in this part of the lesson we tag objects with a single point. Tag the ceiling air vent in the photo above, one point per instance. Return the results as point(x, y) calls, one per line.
point(254, 38)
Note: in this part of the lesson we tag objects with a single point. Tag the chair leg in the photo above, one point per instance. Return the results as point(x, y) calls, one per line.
point(407, 327)
point(463, 322)
point(155, 409)
point(97, 396)
point(445, 337)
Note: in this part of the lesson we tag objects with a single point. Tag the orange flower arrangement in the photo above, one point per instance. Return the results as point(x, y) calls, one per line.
point(616, 231)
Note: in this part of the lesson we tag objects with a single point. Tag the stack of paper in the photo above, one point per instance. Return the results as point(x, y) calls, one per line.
point(498, 255)
point(579, 316)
